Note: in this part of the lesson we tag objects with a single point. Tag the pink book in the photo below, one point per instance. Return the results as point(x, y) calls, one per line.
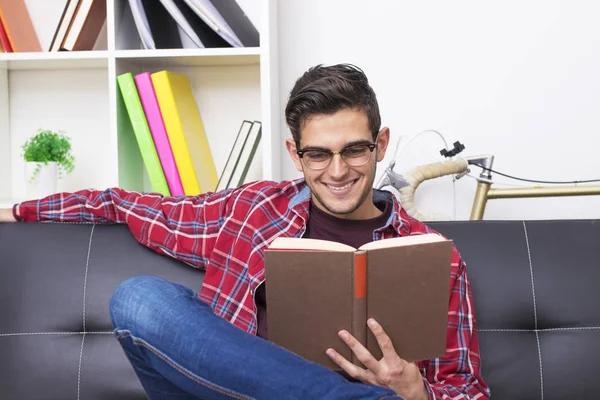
point(145, 89)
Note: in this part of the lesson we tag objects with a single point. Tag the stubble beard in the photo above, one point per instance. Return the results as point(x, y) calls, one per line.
point(353, 206)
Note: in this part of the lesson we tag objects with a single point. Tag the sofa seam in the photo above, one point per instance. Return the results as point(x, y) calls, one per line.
point(575, 328)
point(55, 333)
point(87, 264)
point(537, 336)
point(79, 369)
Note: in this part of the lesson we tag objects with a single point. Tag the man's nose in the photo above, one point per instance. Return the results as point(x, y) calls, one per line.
point(338, 166)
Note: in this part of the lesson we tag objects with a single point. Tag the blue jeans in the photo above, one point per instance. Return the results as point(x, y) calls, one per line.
point(181, 350)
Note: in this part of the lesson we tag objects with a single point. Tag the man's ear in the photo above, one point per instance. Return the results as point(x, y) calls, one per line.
point(290, 144)
point(383, 139)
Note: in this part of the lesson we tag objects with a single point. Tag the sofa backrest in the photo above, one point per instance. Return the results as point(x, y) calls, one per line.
point(533, 283)
point(536, 298)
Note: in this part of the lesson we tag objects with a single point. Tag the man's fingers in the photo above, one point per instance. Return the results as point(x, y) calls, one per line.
point(384, 341)
point(363, 355)
point(351, 369)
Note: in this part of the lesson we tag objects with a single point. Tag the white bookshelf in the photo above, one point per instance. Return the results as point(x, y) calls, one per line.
point(77, 92)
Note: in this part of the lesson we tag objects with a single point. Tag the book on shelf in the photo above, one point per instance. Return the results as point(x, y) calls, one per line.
point(142, 133)
point(182, 23)
point(207, 36)
point(246, 156)
point(156, 124)
point(192, 24)
point(18, 27)
point(185, 130)
point(81, 26)
point(155, 25)
point(102, 39)
point(208, 13)
point(234, 156)
point(4, 42)
point(63, 25)
point(237, 20)
point(316, 288)
point(195, 30)
point(242, 155)
point(169, 131)
point(85, 25)
point(142, 23)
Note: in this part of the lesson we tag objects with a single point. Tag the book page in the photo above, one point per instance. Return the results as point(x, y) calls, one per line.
point(403, 241)
point(286, 243)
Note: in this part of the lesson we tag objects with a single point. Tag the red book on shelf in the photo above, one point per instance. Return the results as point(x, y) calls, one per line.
point(18, 27)
point(3, 37)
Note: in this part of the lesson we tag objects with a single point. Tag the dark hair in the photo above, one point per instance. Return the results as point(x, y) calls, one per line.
point(327, 90)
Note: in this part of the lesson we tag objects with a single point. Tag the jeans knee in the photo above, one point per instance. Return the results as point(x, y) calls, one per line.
point(127, 303)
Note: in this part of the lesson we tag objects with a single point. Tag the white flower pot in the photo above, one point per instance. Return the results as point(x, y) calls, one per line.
point(44, 184)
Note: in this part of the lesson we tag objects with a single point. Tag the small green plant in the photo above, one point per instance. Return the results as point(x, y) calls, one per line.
point(48, 146)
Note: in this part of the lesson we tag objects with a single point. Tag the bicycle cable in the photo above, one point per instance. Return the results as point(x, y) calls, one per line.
point(536, 181)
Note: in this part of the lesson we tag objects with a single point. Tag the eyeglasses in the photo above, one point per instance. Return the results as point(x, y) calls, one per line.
point(355, 156)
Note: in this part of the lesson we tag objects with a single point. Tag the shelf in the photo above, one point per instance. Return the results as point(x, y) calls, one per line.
point(147, 58)
point(54, 60)
point(77, 92)
point(190, 57)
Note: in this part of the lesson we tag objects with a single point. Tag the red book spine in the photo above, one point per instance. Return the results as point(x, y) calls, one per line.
point(359, 307)
point(4, 37)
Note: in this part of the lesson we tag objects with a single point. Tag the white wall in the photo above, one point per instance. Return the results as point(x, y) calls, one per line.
point(519, 79)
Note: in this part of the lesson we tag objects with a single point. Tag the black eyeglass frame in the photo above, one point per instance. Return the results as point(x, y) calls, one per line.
point(370, 146)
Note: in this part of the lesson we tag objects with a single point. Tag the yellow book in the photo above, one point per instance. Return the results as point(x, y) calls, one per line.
point(186, 132)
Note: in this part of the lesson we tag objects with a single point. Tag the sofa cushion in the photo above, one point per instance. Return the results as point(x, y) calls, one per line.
point(535, 296)
point(56, 336)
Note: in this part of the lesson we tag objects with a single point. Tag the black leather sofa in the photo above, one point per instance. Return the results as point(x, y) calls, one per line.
point(534, 285)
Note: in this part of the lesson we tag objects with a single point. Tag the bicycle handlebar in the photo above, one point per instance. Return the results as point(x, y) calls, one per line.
point(418, 175)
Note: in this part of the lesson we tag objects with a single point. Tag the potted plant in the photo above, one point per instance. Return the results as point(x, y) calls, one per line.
point(47, 158)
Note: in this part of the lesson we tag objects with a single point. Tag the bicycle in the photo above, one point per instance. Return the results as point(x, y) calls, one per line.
point(406, 184)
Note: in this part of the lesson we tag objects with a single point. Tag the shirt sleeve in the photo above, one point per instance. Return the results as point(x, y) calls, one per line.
point(457, 375)
point(183, 227)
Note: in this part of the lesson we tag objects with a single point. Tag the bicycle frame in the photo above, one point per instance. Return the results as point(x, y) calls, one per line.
point(484, 191)
point(408, 183)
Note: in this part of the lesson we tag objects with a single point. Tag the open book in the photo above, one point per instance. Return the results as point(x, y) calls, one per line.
point(316, 288)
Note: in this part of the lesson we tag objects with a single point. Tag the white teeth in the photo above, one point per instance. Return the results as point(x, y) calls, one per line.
point(340, 188)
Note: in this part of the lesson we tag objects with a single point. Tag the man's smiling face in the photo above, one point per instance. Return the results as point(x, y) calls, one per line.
point(340, 189)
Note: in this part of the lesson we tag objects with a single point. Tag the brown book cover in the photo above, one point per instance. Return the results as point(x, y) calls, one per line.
point(309, 299)
point(85, 26)
point(102, 39)
point(412, 292)
point(15, 18)
point(317, 288)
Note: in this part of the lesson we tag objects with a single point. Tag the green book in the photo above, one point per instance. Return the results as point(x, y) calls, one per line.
point(142, 133)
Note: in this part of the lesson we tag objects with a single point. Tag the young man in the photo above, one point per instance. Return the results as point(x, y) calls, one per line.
point(212, 345)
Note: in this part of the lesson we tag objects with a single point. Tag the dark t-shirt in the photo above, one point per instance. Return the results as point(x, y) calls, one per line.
point(323, 226)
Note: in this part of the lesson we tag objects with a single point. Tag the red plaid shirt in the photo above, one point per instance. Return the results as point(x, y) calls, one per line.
point(226, 234)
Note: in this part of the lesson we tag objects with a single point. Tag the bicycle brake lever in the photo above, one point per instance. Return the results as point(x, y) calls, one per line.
point(460, 175)
point(391, 178)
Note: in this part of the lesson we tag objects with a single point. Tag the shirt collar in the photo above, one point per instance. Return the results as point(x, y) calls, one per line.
point(398, 220)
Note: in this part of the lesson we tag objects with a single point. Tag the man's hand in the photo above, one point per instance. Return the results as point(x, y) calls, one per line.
point(6, 215)
point(391, 371)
